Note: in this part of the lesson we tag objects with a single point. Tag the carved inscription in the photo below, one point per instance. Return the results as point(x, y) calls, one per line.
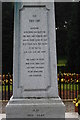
point(34, 41)
point(36, 113)
point(34, 44)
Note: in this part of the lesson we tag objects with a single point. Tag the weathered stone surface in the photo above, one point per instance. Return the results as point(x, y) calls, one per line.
point(36, 108)
point(35, 88)
point(35, 65)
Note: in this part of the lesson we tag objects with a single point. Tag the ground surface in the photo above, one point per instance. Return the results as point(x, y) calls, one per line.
point(69, 116)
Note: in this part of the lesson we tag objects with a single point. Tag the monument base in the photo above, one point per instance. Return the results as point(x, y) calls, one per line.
point(35, 108)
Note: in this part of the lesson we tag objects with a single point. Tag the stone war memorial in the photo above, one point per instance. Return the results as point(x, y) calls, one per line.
point(35, 87)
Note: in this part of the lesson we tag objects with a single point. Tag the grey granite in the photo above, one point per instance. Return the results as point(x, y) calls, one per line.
point(35, 87)
point(35, 65)
point(35, 108)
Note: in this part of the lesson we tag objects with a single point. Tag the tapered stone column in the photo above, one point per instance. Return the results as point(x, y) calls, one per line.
point(35, 93)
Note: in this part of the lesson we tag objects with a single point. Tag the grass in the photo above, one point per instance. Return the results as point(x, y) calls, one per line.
point(62, 62)
point(69, 86)
point(6, 88)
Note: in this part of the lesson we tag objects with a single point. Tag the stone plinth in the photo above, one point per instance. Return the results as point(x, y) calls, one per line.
point(35, 108)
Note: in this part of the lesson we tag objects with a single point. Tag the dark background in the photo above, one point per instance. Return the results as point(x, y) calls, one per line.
point(67, 17)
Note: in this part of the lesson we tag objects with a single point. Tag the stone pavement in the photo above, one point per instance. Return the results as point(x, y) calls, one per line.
point(68, 116)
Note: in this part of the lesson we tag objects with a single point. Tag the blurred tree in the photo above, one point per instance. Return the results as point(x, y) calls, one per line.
point(7, 36)
point(63, 14)
point(73, 43)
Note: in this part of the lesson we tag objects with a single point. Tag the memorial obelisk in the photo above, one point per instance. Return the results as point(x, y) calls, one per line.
point(35, 87)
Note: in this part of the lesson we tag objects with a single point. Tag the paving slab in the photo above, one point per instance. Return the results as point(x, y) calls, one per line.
point(68, 116)
point(71, 115)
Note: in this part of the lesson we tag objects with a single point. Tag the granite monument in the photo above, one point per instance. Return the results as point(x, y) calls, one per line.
point(35, 87)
